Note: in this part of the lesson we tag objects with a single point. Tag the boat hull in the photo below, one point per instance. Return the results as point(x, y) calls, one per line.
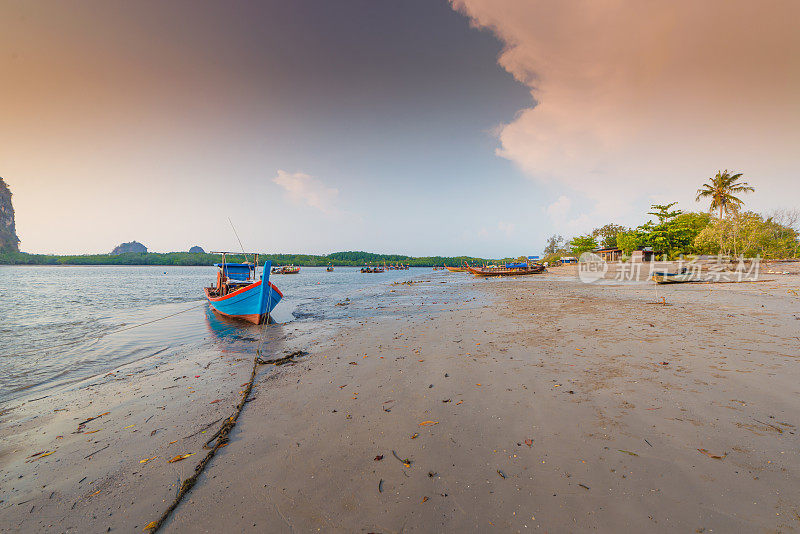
point(455, 269)
point(662, 278)
point(479, 271)
point(244, 303)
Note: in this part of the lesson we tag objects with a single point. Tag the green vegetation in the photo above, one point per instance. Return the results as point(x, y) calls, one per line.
point(185, 258)
point(607, 235)
point(749, 234)
point(673, 233)
point(554, 245)
point(582, 243)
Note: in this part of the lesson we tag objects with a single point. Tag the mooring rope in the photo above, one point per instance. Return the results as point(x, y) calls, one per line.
point(101, 336)
point(220, 438)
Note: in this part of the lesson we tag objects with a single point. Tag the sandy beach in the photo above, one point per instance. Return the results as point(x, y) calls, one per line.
point(482, 405)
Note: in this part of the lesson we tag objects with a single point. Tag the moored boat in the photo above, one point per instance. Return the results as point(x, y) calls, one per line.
point(286, 269)
point(238, 293)
point(509, 269)
point(455, 269)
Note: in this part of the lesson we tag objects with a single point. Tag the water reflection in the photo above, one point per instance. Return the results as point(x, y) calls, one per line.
point(233, 330)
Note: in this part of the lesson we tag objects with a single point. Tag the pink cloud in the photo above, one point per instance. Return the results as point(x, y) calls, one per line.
point(636, 98)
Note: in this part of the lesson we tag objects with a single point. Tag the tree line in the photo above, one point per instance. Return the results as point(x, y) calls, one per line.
point(724, 229)
point(339, 259)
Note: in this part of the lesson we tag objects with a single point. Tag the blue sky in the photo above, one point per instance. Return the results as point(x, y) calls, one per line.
point(415, 127)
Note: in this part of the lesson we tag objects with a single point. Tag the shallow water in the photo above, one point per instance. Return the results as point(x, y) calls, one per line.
point(59, 325)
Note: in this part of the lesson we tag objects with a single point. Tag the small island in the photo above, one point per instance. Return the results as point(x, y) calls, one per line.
point(130, 247)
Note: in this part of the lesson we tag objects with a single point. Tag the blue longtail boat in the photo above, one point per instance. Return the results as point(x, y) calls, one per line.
point(239, 294)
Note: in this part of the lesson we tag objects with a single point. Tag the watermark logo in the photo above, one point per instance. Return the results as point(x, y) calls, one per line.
point(591, 267)
point(707, 269)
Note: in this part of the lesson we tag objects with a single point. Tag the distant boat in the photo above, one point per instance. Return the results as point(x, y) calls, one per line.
point(509, 269)
point(286, 269)
point(367, 269)
point(455, 269)
point(330, 268)
point(239, 294)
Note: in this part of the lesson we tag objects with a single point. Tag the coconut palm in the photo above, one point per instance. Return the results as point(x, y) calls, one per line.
point(721, 190)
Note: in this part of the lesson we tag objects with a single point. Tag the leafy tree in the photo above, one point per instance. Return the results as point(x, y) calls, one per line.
point(582, 243)
point(662, 212)
point(673, 234)
point(554, 244)
point(630, 240)
point(607, 235)
point(721, 189)
point(748, 234)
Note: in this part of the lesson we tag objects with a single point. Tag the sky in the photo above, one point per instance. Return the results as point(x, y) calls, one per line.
point(421, 127)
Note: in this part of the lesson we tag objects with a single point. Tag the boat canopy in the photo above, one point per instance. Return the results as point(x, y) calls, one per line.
point(516, 265)
point(236, 271)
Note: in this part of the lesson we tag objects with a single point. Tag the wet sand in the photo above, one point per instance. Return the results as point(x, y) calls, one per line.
point(537, 402)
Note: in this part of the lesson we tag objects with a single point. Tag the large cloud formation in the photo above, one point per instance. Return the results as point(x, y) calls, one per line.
point(304, 189)
point(642, 100)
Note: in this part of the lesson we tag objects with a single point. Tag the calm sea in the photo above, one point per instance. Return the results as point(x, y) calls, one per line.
point(59, 325)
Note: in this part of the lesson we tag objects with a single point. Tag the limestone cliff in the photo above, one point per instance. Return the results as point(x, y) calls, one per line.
point(9, 242)
point(133, 246)
point(196, 250)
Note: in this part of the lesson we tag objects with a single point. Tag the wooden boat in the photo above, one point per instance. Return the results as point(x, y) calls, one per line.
point(286, 269)
point(239, 294)
point(455, 269)
point(366, 269)
point(509, 269)
point(675, 278)
point(330, 268)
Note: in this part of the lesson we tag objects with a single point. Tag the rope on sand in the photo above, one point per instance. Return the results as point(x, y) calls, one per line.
point(220, 438)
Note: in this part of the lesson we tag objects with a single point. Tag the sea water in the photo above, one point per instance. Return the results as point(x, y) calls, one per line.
point(63, 324)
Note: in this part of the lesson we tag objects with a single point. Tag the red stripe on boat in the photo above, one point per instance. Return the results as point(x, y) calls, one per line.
point(242, 290)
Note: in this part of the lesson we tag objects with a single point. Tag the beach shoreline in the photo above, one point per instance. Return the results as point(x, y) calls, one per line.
point(506, 404)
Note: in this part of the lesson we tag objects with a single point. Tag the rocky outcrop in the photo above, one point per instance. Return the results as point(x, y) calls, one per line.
point(125, 248)
point(9, 242)
point(196, 250)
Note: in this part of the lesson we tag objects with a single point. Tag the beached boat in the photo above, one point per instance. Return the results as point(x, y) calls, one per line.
point(455, 269)
point(509, 269)
point(238, 293)
point(675, 278)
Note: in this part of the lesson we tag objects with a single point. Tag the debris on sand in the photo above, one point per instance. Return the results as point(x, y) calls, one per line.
point(710, 455)
point(405, 462)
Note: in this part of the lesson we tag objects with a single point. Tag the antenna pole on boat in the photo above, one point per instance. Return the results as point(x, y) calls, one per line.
point(237, 238)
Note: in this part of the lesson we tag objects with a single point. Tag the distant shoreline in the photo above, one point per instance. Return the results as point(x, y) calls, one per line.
point(186, 259)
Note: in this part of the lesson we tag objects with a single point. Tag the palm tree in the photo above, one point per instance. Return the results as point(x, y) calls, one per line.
point(721, 189)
